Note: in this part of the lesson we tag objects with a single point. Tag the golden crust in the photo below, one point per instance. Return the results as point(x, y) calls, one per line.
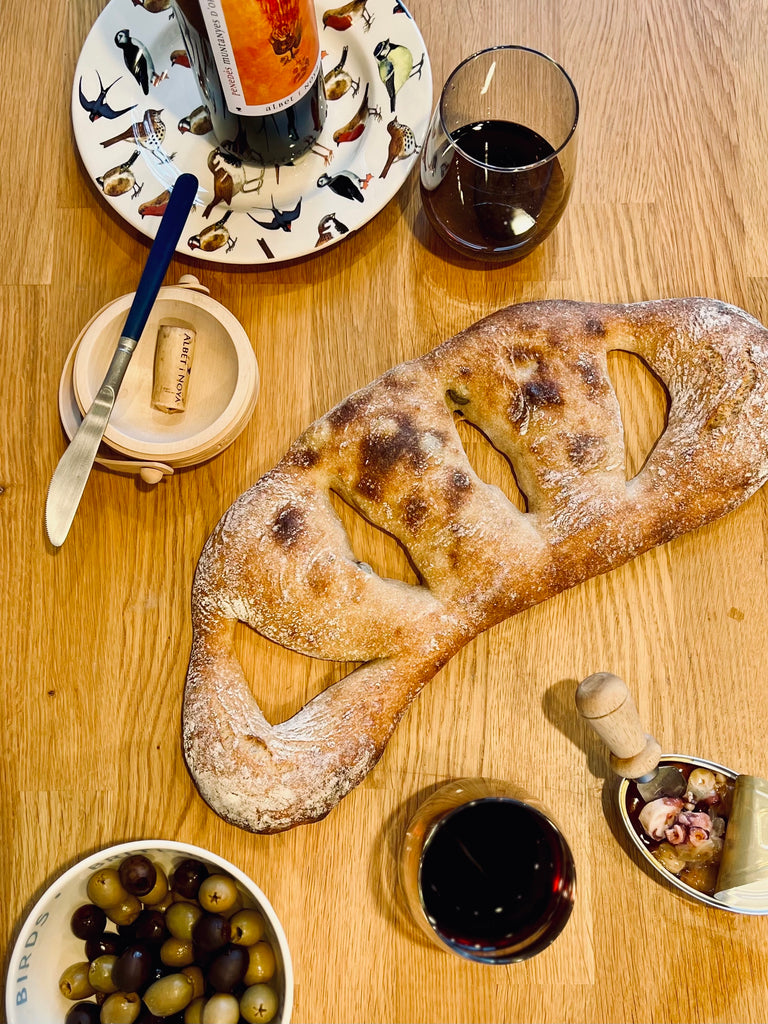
point(533, 378)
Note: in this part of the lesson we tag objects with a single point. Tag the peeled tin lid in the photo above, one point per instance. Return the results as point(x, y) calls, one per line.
point(742, 882)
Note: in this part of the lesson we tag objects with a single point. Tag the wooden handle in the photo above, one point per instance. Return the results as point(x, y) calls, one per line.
point(604, 700)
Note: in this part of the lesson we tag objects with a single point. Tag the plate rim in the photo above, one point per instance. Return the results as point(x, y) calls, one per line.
point(345, 159)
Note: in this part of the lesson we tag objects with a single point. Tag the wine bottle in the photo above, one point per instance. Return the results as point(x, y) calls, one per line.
point(257, 64)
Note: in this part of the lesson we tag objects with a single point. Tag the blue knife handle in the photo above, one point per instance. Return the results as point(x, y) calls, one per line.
point(160, 255)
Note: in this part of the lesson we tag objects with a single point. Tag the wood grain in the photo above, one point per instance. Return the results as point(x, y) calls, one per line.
point(669, 200)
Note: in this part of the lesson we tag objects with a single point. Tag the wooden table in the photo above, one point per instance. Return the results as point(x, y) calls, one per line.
point(670, 200)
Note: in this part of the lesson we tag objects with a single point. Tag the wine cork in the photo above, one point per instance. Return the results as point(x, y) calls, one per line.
point(174, 349)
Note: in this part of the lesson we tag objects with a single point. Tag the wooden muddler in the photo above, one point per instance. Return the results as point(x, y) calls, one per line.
point(173, 365)
point(604, 700)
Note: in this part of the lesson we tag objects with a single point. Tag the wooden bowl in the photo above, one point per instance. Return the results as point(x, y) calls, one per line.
point(223, 384)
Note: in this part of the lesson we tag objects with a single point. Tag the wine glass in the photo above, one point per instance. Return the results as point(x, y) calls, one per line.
point(499, 158)
point(486, 872)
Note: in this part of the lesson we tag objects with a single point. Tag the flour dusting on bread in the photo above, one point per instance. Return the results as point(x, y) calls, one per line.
point(533, 378)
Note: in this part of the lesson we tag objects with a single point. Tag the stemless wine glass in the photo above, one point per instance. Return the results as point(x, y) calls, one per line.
point(486, 872)
point(500, 154)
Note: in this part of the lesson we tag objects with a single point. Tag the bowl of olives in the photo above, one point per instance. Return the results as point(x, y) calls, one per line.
point(149, 932)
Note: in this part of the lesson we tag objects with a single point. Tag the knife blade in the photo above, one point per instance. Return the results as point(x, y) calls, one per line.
point(71, 474)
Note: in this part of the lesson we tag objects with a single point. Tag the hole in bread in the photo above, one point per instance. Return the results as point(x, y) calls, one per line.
point(374, 546)
point(281, 680)
point(489, 463)
point(643, 404)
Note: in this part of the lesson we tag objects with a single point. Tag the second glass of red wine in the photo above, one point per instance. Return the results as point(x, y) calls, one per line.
point(486, 872)
point(499, 159)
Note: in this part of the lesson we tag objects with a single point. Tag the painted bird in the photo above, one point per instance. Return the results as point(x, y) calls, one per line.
point(138, 60)
point(119, 180)
point(395, 67)
point(346, 184)
point(180, 58)
point(230, 177)
point(282, 220)
point(155, 207)
point(402, 144)
point(342, 18)
point(149, 132)
point(355, 127)
point(197, 122)
point(153, 6)
point(338, 80)
point(99, 107)
point(214, 237)
point(324, 232)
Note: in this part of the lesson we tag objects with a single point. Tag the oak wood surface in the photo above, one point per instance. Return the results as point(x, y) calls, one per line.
point(670, 199)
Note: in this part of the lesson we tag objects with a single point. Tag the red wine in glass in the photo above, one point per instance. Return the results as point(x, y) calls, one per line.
point(501, 193)
point(496, 879)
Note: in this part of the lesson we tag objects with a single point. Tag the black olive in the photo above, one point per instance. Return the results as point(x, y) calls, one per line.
point(228, 968)
point(138, 874)
point(188, 876)
point(106, 944)
point(133, 969)
point(83, 1013)
point(88, 921)
point(148, 927)
point(212, 931)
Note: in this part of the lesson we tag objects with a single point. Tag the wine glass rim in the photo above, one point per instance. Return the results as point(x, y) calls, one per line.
point(518, 167)
point(514, 952)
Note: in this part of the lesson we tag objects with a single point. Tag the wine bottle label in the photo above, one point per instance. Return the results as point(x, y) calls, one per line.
point(267, 52)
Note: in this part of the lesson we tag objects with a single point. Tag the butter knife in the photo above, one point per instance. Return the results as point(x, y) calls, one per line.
point(71, 474)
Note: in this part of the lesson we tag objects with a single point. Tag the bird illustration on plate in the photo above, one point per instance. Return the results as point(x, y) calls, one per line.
point(153, 6)
point(326, 228)
point(338, 81)
point(148, 133)
point(282, 220)
point(99, 107)
point(402, 144)
point(138, 60)
point(342, 18)
point(180, 58)
point(121, 179)
point(214, 236)
point(355, 127)
point(196, 122)
point(155, 207)
point(230, 177)
point(346, 184)
point(396, 66)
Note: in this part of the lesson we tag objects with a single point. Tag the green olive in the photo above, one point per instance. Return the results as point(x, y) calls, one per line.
point(195, 974)
point(261, 963)
point(159, 890)
point(124, 912)
point(74, 983)
point(258, 1004)
point(194, 1012)
point(100, 973)
point(181, 918)
point(105, 888)
point(164, 903)
point(169, 995)
point(120, 1008)
point(218, 894)
point(247, 927)
point(221, 1009)
point(177, 952)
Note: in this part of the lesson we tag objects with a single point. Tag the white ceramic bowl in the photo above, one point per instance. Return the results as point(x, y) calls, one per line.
point(223, 385)
point(46, 946)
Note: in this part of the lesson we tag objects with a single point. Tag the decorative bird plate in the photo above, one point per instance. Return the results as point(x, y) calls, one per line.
point(139, 122)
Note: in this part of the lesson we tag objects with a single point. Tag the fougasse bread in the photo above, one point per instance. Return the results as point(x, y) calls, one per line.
point(533, 378)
